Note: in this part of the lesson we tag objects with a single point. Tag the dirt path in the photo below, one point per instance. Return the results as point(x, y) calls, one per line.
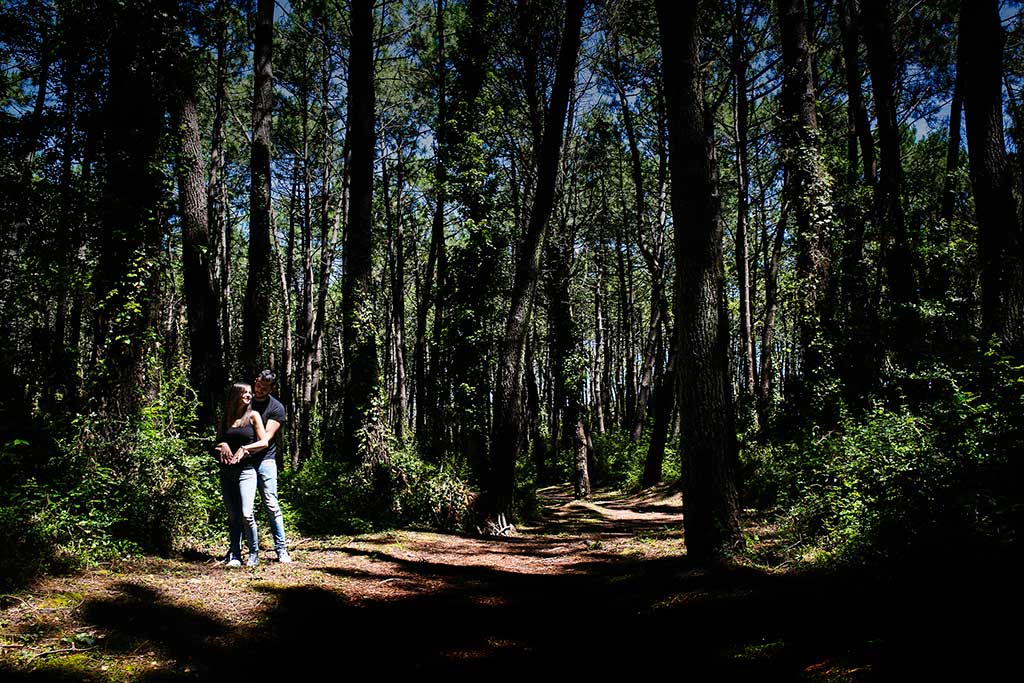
point(596, 588)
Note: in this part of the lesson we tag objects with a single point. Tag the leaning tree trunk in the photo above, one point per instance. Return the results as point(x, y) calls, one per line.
point(710, 500)
point(508, 413)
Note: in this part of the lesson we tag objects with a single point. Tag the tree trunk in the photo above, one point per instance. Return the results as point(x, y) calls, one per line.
point(897, 253)
point(710, 501)
point(126, 276)
point(598, 363)
point(740, 62)
point(953, 150)
point(664, 407)
point(206, 371)
point(808, 192)
point(626, 334)
point(427, 367)
point(999, 229)
point(217, 195)
point(508, 413)
point(859, 362)
point(364, 438)
point(259, 284)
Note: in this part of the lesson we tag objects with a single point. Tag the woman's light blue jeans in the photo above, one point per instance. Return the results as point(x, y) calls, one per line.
point(230, 487)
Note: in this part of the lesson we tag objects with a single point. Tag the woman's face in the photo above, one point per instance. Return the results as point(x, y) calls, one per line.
point(246, 397)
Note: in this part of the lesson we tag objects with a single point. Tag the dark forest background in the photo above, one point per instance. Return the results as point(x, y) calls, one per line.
point(771, 252)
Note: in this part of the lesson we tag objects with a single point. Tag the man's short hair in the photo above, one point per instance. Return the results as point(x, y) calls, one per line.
point(267, 376)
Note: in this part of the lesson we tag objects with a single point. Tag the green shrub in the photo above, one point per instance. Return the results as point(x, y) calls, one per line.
point(871, 488)
point(939, 472)
point(620, 461)
point(65, 508)
point(329, 497)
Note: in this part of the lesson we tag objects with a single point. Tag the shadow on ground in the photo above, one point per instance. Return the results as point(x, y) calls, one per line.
point(605, 617)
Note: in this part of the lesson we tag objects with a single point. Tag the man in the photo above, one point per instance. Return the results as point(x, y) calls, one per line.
point(272, 412)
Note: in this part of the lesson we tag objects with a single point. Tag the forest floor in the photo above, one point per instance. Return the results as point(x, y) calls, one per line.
point(593, 588)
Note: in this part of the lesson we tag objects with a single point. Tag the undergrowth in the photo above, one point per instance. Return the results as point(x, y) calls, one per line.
point(934, 475)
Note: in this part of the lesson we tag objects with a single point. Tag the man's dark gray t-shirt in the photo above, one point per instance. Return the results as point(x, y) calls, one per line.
point(270, 409)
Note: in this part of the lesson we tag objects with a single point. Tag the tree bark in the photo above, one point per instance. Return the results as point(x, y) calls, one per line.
point(217, 195)
point(859, 363)
point(426, 363)
point(953, 149)
point(740, 63)
point(132, 222)
point(598, 364)
point(710, 500)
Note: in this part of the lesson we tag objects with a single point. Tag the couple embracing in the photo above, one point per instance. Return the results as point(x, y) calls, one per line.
point(247, 451)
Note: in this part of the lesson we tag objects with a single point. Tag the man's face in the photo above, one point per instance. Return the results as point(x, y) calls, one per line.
point(262, 388)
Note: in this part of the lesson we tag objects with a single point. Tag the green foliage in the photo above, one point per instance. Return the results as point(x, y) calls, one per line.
point(331, 497)
point(934, 473)
point(64, 509)
point(620, 460)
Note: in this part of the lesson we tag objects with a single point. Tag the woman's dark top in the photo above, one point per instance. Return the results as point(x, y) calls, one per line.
point(236, 437)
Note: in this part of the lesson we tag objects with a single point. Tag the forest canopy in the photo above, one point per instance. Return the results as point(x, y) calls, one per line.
point(769, 251)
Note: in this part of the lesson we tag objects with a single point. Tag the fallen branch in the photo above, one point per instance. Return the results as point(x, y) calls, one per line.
point(25, 602)
point(60, 651)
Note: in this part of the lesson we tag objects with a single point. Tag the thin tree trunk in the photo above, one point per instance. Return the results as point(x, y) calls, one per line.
point(427, 370)
point(217, 196)
point(953, 150)
point(598, 366)
point(897, 252)
point(771, 288)
point(740, 62)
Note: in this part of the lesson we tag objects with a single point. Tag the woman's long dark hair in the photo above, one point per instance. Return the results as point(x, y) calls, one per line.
point(233, 412)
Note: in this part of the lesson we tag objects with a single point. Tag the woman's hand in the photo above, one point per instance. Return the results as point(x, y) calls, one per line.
point(239, 454)
point(222, 452)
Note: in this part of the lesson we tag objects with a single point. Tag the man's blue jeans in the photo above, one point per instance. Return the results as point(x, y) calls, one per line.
point(267, 481)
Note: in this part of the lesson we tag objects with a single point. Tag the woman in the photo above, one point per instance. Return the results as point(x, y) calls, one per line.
point(240, 433)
